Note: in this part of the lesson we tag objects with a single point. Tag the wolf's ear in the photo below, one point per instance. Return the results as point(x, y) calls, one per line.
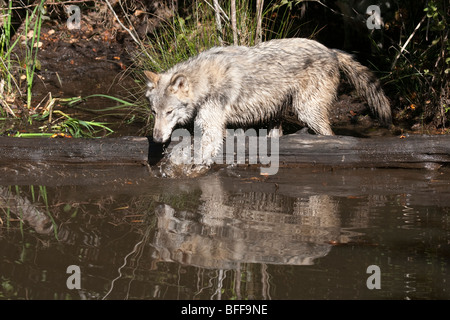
point(152, 77)
point(179, 83)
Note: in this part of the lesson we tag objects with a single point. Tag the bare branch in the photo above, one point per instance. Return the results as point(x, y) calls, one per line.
point(233, 22)
point(120, 22)
point(407, 42)
point(259, 10)
point(218, 22)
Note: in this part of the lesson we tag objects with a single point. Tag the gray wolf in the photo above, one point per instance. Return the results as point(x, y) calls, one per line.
point(242, 86)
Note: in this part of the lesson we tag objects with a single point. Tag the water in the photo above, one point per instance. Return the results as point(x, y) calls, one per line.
point(304, 233)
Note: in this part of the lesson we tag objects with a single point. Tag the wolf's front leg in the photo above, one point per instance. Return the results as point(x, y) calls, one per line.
point(211, 125)
point(211, 143)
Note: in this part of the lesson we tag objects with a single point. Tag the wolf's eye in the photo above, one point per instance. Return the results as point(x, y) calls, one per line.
point(153, 111)
point(169, 112)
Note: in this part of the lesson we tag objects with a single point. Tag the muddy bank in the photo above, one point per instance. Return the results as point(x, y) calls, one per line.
point(81, 62)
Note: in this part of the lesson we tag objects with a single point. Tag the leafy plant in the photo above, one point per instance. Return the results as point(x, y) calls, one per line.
point(80, 128)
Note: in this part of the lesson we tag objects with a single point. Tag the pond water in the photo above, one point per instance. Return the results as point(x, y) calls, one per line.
point(303, 233)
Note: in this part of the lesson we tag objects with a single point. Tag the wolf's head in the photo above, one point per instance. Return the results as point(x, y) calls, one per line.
point(169, 97)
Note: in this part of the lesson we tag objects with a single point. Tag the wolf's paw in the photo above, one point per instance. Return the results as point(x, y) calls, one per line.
point(197, 170)
point(170, 169)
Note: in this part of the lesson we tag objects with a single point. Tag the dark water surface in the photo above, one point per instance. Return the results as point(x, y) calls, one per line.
point(233, 234)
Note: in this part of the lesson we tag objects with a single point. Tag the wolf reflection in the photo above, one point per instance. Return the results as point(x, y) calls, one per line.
point(230, 228)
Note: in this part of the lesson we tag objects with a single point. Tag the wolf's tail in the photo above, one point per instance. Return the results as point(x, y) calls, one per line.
point(367, 86)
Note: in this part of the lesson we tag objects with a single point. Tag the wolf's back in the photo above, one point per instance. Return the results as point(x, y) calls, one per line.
point(366, 84)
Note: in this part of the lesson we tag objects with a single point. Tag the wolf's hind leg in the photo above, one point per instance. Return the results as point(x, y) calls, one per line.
point(313, 110)
point(275, 128)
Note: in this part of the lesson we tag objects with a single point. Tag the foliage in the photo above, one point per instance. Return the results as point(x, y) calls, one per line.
point(421, 73)
point(13, 67)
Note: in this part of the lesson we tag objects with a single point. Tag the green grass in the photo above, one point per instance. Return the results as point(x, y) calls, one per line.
point(6, 78)
point(183, 37)
point(11, 65)
point(5, 51)
point(32, 46)
point(80, 128)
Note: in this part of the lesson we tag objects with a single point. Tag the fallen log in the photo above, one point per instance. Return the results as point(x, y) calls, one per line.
point(115, 151)
point(413, 151)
